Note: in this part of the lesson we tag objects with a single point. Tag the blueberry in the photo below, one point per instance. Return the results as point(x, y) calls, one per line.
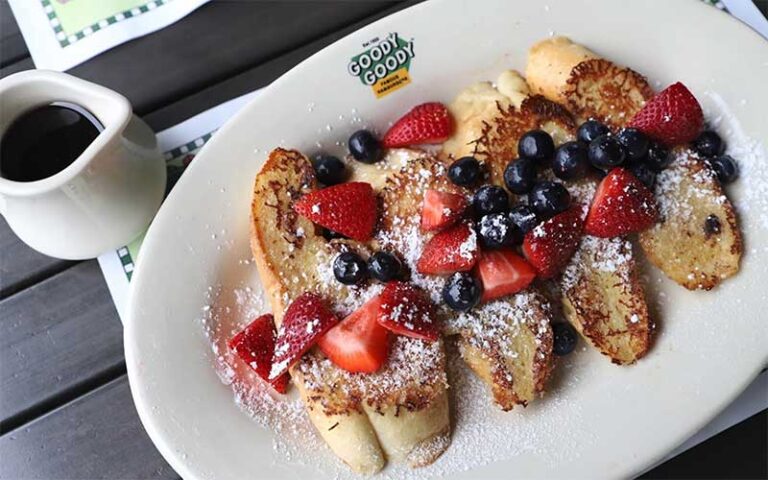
point(365, 147)
point(712, 225)
point(590, 130)
point(384, 266)
point(658, 157)
point(635, 143)
point(548, 199)
point(725, 168)
point(570, 161)
point(565, 338)
point(329, 169)
point(524, 218)
point(709, 144)
point(464, 171)
point(490, 199)
point(349, 268)
point(462, 291)
point(644, 174)
point(520, 175)
point(536, 145)
point(605, 152)
point(498, 230)
point(330, 234)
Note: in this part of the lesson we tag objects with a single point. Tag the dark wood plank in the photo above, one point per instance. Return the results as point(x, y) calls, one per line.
point(24, 64)
point(257, 77)
point(185, 57)
point(34, 465)
point(96, 436)
point(188, 56)
point(58, 339)
point(36, 389)
point(219, 40)
point(20, 266)
point(12, 46)
point(739, 452)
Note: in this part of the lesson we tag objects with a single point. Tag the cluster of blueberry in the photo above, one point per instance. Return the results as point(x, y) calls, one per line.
point(498, 225)
point(350, 269)
point(710, 146)
point(364, 147)
point(595, 150)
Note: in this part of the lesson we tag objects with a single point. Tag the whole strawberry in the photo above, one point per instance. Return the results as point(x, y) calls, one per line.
point(672, 117)
point(425, 123)
point(622, 205)
point(348, 208)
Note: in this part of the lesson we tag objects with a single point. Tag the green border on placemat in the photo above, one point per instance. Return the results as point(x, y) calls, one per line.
point(716, 3)
point(189, 148)
point(66, 40)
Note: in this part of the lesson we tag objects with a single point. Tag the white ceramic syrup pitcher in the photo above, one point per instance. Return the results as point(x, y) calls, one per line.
point(102, 200)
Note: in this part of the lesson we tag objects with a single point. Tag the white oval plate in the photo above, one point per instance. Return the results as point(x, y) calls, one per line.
point(599, 420)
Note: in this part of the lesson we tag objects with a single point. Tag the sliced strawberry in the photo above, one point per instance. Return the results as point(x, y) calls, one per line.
point(406, 310)
point(306, 320)
point(449, 251)
point(425, 123)
point(622, 205)
point(441, 209)
point(347, 208)
point(672, 117)
point(358, 343)
point(280, 384)
point(255, 345)
point(503, 272)
point(550, 245)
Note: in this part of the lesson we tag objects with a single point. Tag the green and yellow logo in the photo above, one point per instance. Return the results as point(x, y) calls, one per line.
point(384, 66)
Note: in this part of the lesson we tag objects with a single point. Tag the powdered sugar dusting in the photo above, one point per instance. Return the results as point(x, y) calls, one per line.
point(674, 206)
point(347, 298)
point(468, 248)
point(582, 192)
point(227, 312)
point(411, 364)
point(409, 242)
point(610, 255)
point(750, 154)
point(476, 420)
point(493, 324)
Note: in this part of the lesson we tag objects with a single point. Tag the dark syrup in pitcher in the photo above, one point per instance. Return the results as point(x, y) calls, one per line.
point(45, 140)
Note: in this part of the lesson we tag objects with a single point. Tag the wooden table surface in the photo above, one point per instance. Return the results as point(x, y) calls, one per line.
point(65, 405)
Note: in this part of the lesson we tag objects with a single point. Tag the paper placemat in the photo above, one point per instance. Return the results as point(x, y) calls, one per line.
point(63, 33)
